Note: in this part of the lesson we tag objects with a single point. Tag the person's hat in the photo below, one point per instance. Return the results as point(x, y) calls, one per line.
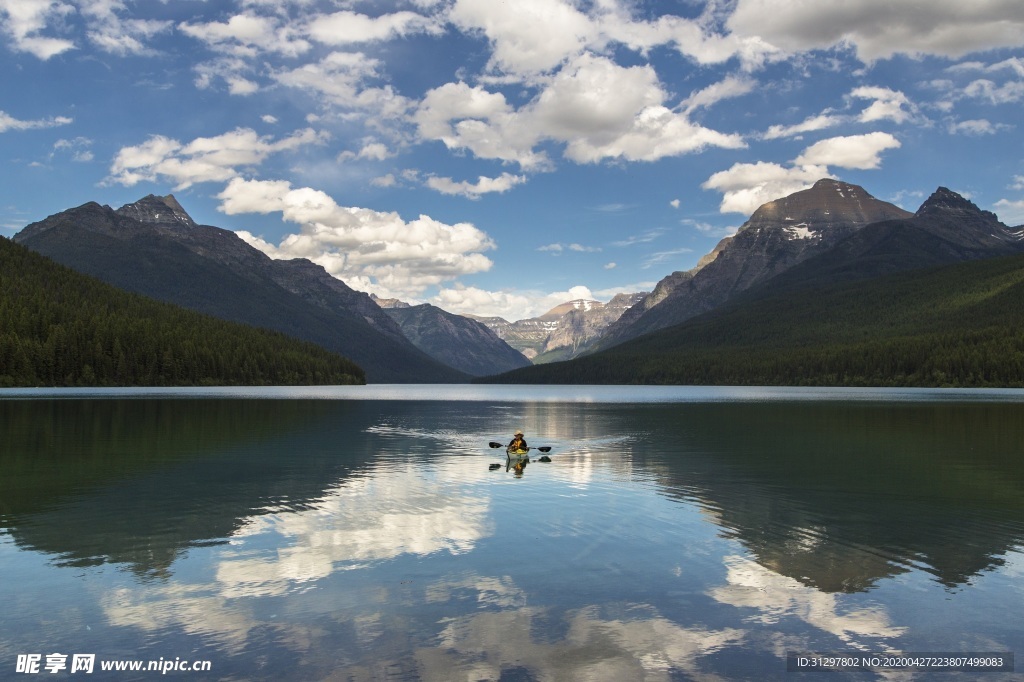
point(518, 433)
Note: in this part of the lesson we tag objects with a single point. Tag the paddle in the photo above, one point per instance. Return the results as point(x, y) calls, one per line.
point(544, 448)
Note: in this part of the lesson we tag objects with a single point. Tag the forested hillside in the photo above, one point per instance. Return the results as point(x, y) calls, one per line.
point(62, 328)
point(958, 325)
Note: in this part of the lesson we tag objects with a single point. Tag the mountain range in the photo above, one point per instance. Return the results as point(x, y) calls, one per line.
point(564, 332)
point(153, 247)
point(833, 234)
point(458, 341)
point(778, 236)
point(919, 299)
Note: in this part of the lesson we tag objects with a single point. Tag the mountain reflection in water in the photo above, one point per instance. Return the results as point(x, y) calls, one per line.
point(364, 539)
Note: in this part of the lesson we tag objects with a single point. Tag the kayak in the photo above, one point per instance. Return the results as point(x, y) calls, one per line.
point(517, 459)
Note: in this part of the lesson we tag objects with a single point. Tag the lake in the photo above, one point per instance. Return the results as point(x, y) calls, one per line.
point(359, 533)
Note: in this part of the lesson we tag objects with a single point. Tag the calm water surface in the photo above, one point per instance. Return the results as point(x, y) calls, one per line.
point(359, 533)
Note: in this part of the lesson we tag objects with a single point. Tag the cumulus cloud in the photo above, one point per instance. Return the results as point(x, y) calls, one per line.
point(854, 151)
point(248, 34)
point(25, 19)
point(205, 159)
point(346, 27)
point(532, 37)
point(888, 105)
point(8, 122)
point(595, 107)
point(1012, 212)
point(746, 186)
point(471, 118)
point(510, 305)
point(526, 35)
point(880, 29)
point(474, 190)
point(370, 250)
point(342, 80)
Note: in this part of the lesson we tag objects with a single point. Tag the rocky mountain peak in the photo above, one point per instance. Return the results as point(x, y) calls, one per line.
point(165, 211)
point(581, 304)
point(387, 303)
point(828, 202)
point(946, 202)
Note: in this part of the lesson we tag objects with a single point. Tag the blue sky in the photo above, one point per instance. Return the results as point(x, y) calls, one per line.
point(498, 157)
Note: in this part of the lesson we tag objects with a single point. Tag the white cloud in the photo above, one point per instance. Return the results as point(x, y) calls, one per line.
point(246, 35)
point(729, 88)
point(854, 151)
point(661, 257)
point(346, 27)
point(1010, 212)
point(470, 117)
point(24, 19)
point(533, 37)
point(8, 122)
point(643, 238)
point(808, 125)
point(674, 203)
point(746, 186)
point(880, 29)
point(605, 111)
point(598, 109)
point(510, 305)
point(341, 79)
point(205, 159)
point(578, 248)
point(116, 35)
point(78, 148)
point(976, 127)
point(370, 250)
point(462, 300)
point(527, 35)
point(483, 185)
point(711, 230)
point(888, 105)
point(1007, 93)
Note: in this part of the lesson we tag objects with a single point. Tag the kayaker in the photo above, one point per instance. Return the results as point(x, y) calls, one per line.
point(518, 442)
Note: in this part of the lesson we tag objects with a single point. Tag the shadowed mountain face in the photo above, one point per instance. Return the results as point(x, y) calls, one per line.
point(831, 232)
point(153, 247)
point(457, 341)
point(946, 229)
point(779, 235)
